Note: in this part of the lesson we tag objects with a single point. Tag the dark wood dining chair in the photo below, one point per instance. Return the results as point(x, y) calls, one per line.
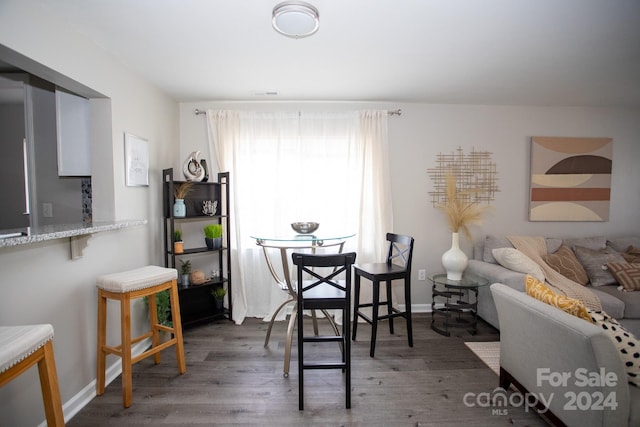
point(324, 283)
point(397, 266)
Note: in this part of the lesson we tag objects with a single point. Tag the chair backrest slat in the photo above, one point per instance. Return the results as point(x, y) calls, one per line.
point(307, 262)
point(400, 249)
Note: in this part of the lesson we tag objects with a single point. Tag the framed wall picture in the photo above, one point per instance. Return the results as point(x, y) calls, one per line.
point(570, 179)
point(136, 153)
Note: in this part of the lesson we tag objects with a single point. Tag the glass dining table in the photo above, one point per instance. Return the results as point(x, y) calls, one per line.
point(283, 245)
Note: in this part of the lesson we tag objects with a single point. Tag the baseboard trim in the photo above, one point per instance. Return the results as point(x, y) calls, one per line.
point(74, 405)
point(417, 308)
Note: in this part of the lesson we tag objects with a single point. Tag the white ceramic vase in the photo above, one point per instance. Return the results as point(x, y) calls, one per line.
point(454, 260)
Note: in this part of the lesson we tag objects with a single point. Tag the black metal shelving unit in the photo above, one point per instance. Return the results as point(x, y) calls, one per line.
point(197, 305)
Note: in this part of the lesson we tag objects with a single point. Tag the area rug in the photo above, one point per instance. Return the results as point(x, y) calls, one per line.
point(488, 352)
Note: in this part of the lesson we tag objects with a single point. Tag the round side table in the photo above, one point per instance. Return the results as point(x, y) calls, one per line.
point(455, 308)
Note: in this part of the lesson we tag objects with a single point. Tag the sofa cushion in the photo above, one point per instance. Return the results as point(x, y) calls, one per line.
point(626, 274)
point(632, 254)
point(629, 300)
point(515, 260)
point(595, 243)
point(593, 262)
point(564, 261)
point(626, 344)
point(491, 243)
point(609, 297)
point(621, 244)
point(553, 244)
point(542, 292)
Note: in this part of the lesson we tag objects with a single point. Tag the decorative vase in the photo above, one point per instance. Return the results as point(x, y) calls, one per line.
point(203, 163)
point(209, 242)
point(209, 207)
point(454, 260)
point(179, 208)
point(213, 243)
point(192, 169)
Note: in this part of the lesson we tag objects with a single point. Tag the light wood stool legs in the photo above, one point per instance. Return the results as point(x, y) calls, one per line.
point(124, 349)
point(50, 387)
point(45, 359)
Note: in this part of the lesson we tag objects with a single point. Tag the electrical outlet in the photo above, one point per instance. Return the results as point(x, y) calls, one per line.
point(47, 210)
point(422, 275)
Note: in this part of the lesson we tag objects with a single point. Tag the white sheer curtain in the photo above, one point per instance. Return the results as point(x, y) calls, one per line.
point(326, 167)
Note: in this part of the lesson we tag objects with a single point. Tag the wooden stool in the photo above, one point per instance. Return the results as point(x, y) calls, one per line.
point(142, 282)
point(21, 347)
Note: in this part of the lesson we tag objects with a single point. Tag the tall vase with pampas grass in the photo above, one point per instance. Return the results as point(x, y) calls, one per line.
point(461, 212)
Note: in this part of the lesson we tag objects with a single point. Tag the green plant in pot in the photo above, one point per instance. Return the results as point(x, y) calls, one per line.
point(213, 236)
point(178, 244)
point(218, 295)
point(185, 270)
point(163, 307)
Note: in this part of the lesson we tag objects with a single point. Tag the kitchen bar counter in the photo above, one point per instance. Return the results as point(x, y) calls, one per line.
point(78, 233)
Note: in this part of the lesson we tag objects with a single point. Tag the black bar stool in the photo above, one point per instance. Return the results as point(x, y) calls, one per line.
point(398, 266)
point(324, 292)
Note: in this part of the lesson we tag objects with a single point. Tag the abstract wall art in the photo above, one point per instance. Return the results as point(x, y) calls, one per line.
point(570, 179)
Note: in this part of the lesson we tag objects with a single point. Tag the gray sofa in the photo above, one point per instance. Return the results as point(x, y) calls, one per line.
point(556, 343)
point(623, 306)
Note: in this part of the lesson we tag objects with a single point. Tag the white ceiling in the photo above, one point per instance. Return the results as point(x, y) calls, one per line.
point(516, 52)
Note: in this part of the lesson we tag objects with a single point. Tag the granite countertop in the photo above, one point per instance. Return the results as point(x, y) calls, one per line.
point(50, 232)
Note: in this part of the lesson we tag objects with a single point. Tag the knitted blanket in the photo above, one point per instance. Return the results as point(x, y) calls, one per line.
point(535, 248)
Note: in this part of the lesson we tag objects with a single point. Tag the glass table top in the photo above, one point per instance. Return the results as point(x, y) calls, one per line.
point(468, 281)
point(316, 237)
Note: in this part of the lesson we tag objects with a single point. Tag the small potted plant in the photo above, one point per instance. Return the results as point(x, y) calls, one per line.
point(213, 236)
point(180, 191)
point(185, 270)
point(218, 295)
point(163, 308)
point(178, 244)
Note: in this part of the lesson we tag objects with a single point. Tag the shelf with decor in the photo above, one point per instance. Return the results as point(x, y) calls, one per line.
point(203, 203)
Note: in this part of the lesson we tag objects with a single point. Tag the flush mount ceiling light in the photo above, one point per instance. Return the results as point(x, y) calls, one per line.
point(295, 19)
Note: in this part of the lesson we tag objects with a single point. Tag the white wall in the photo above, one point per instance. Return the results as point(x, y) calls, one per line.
point(423, 131)
point(39, 282)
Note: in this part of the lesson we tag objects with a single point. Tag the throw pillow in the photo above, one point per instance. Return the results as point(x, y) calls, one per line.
point(627, 275)
point(492, 242)
point(515, 260)
point(542, 292)
point(594, 262)
point(632, 255)
point(565, 262)
point(626, 344)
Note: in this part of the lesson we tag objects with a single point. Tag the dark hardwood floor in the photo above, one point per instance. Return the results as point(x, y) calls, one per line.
point(232, 379)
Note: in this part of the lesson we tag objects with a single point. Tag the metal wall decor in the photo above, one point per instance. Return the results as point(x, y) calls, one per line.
point(475, 173)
